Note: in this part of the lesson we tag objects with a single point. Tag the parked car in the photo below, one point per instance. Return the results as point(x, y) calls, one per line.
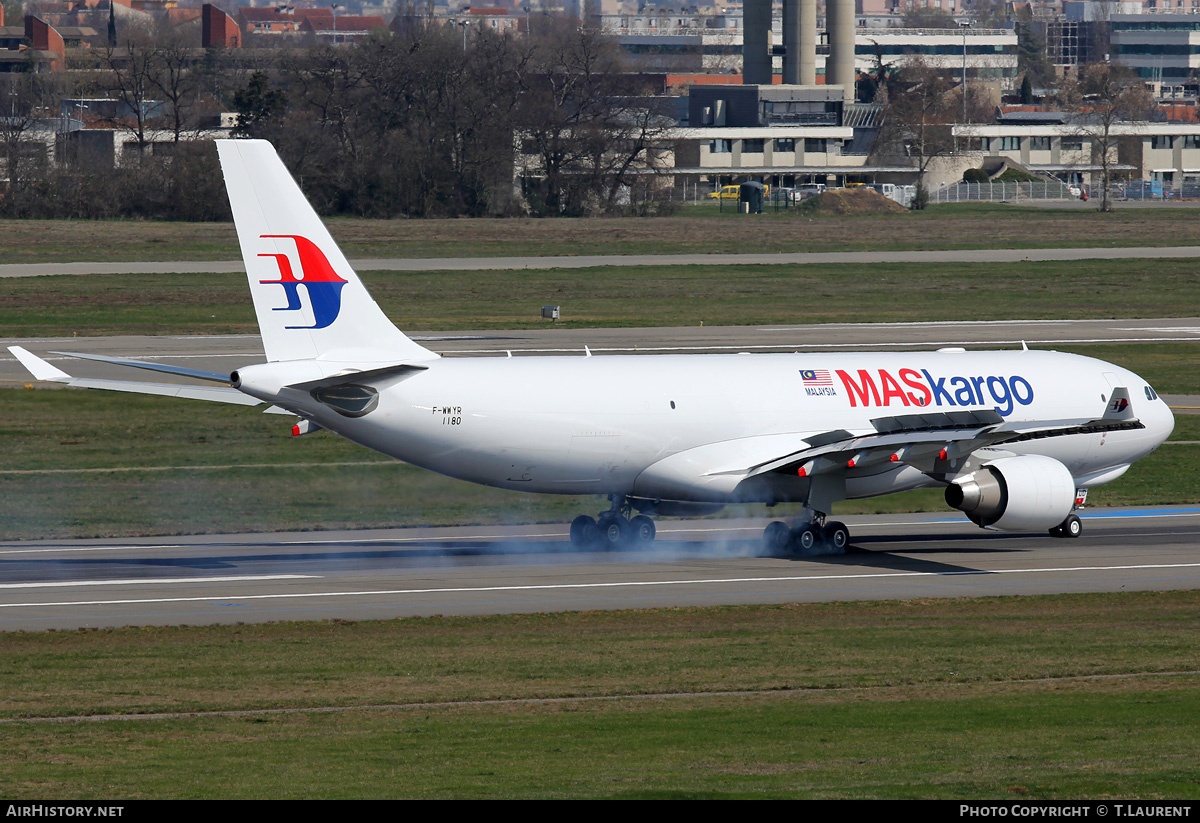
point(733, 191)
point(726, 193)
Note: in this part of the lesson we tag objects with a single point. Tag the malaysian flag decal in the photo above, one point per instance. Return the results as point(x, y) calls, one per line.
point(816, 377)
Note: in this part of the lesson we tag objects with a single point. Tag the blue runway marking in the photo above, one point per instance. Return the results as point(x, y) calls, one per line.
point(1133, 513)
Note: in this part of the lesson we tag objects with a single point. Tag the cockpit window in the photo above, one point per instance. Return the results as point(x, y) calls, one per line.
point(1151, 394)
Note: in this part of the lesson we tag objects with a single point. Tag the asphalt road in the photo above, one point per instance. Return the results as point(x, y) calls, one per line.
point(358, 575)
point(589, 261)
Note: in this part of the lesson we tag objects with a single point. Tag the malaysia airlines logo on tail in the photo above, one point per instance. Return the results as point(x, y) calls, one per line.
point(320, 281)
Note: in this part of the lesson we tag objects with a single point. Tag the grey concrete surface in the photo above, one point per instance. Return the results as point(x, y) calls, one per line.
point(589, 261)
point(384, 574)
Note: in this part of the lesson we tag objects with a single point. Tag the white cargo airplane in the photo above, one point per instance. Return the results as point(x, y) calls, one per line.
point(1010, 435)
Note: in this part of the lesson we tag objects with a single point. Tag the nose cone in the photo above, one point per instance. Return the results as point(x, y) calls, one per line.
point(1162, 421)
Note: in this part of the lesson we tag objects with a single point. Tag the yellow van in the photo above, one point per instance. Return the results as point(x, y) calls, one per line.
point(732, 192)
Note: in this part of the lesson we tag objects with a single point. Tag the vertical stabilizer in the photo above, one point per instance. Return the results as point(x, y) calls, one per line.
point(308, 300)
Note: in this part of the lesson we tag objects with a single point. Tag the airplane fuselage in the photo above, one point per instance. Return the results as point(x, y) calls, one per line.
point(606, 424)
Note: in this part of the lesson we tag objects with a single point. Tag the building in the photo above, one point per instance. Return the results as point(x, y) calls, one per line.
point(343, 29)
point(778, 134)
point(1166, 153)
point(218, 29)
point(1162, 48)
point(715, 44)
point(34, 47)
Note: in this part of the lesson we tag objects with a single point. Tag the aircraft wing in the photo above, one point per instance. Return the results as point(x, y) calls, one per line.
point(42, 370)
point(920, 440)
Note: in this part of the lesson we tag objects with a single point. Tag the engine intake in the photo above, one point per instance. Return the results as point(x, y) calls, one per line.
point(1030, 492)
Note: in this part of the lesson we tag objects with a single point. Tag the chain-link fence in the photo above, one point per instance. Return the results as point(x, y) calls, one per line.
point(997, 192)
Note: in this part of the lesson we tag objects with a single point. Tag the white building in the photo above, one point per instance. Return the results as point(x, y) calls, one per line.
point(713, 44)
point(1168, 153)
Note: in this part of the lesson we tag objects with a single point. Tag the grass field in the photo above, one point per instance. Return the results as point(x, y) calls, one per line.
point(60, 306)
point(693, 230)
point(1088, 696)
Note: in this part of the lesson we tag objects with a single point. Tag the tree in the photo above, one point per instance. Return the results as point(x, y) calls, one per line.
point(1100, 99)
point(1032, 60)
point(257, 105)
point(928, 17)
point(918, 119)
point(175, 76)
point(14, 12)
point(21, 156)
point(590, 132)
point(1026, 91)
point(989, 14)
point(132, 67)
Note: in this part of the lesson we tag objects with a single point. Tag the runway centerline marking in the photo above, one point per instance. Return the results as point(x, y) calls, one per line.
point(612, 585)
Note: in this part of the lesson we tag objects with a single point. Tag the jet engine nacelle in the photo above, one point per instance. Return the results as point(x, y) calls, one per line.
point(1030, 492)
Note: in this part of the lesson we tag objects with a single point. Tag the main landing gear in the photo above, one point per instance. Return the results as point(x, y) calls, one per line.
point(812, 534)
point(613, 529)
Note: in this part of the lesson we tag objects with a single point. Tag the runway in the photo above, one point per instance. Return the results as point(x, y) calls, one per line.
point(70, 584)
point(226, 353)
point(413, 264)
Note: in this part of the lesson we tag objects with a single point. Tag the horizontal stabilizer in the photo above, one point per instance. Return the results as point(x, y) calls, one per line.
point(39, 368)
point(218, 394)
point(199, 374)
point(42, 370)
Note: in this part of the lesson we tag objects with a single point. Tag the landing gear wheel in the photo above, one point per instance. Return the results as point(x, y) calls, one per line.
point(641, 530)
point(612, 530)
point(837, 535)
point(1071, 527)
point(806, 538)
point(776, 537)
point(584, 532)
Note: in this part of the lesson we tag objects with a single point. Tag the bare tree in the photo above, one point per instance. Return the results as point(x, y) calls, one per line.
point(585, 125)
point(918, 119)
point(1101, 98)
point(22, 154)
point(175, 76)
point(132, 66)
